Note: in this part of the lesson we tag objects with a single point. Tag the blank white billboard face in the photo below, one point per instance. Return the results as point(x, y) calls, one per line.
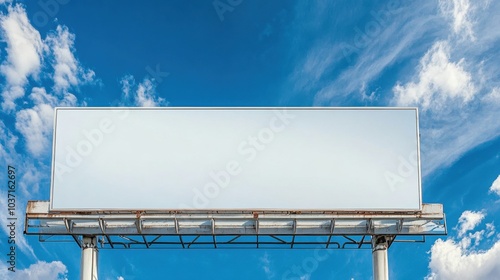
point(236, 159)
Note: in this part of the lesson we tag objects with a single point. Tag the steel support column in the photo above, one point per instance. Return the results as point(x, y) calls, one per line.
point(380, 244)
point(89, 258)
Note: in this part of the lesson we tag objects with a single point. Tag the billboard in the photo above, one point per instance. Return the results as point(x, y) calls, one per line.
point(287, 159)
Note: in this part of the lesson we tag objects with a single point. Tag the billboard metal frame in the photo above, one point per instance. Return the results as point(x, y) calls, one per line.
point(109, 224)
point(96, 230)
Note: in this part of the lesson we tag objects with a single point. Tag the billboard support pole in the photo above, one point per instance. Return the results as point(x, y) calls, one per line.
point(380, 244)
point(89, 258)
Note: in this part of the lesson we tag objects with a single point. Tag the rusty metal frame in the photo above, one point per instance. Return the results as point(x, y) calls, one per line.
point(232, 230)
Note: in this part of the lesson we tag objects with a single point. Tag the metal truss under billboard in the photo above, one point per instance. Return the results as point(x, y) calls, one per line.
point(272, 230)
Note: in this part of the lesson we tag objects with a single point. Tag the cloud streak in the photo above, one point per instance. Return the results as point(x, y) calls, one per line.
point(24, 54)
point(142, 94)
point(266, 266)
point(459, 14)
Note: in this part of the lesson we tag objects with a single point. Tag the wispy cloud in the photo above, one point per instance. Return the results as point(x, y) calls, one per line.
point(314, 66)
point(440, 57)
point(459, 14)
point(336, 68)
point(359, 60)
point(67, 70)
point(468, 221)
point(35, 123)
point(495, 187)
point(24, 54)
point(8, 142)
point(142, 94)
point(266, 266)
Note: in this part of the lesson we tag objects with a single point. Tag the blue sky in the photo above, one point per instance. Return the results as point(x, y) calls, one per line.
point(442, 56)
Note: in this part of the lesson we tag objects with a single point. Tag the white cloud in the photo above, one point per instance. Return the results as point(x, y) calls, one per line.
point(449, 260)
point(468, 221)
point(495, 187)
point(459, 13)
point(145, 95)
point(440, 82)
point(26, 53)
point(31, 178)
point(36, 123)
point(24, 49)
point(67, 70)
point(120, 278)
point(41, 270)
point(458, 100)
point(452, 259)
point(142, 94)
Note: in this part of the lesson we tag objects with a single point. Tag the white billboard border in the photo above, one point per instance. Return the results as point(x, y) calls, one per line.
point(392, 210)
